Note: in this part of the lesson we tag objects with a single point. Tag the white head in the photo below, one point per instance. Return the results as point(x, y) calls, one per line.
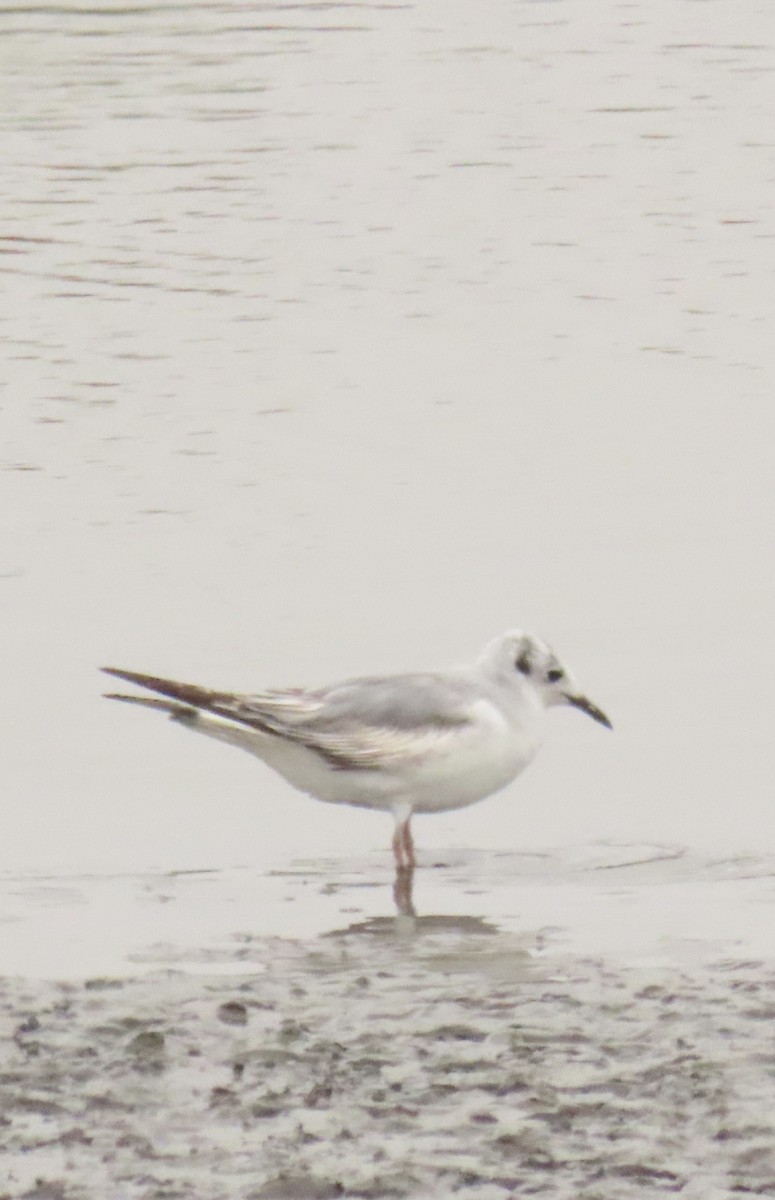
point(520, 656)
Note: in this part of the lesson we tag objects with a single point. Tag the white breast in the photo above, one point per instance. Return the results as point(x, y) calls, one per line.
point(481, 761)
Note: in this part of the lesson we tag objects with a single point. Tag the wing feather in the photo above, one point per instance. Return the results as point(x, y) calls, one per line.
point(362, 724)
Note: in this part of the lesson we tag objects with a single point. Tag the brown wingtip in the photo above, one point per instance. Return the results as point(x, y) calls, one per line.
point(131, 676)
point(187, 693)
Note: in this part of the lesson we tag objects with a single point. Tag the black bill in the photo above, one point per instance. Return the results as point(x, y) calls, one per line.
point(590, 709)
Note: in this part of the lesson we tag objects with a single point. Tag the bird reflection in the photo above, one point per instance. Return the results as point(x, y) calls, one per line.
point(403, 886)
point(406, 921)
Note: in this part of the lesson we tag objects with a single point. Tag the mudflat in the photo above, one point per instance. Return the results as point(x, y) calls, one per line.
point(413, 1055)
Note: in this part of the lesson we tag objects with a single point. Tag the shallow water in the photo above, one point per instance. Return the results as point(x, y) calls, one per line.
point(637, 905)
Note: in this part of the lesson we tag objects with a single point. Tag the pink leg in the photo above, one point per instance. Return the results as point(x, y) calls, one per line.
point(402, 891)
point(406, 836)
point(403, 846)
point(398, 847)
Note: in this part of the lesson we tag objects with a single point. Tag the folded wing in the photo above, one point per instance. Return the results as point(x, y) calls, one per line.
point(363, 724)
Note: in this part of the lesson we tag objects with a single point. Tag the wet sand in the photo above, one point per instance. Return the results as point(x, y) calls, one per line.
point(395, 1054)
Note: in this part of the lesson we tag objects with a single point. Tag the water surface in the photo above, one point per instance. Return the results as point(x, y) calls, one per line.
point(340, 337)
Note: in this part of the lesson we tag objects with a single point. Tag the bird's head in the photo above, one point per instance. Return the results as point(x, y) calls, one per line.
point(520, 655)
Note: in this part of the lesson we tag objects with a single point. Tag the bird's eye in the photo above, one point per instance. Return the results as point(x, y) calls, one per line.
point(554, 675)
point(523, 663)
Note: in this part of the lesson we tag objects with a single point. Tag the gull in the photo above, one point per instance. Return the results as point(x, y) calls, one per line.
point(425, 742)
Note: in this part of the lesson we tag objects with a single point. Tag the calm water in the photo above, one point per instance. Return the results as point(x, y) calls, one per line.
point(338, 338)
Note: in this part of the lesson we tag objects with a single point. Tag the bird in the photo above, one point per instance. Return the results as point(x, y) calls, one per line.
point(411, 743)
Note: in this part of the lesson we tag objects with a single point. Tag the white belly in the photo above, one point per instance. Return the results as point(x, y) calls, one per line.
point(464, 768)
point(475, 770)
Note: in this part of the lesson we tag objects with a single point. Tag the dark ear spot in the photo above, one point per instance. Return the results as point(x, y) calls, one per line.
point(523, 663)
